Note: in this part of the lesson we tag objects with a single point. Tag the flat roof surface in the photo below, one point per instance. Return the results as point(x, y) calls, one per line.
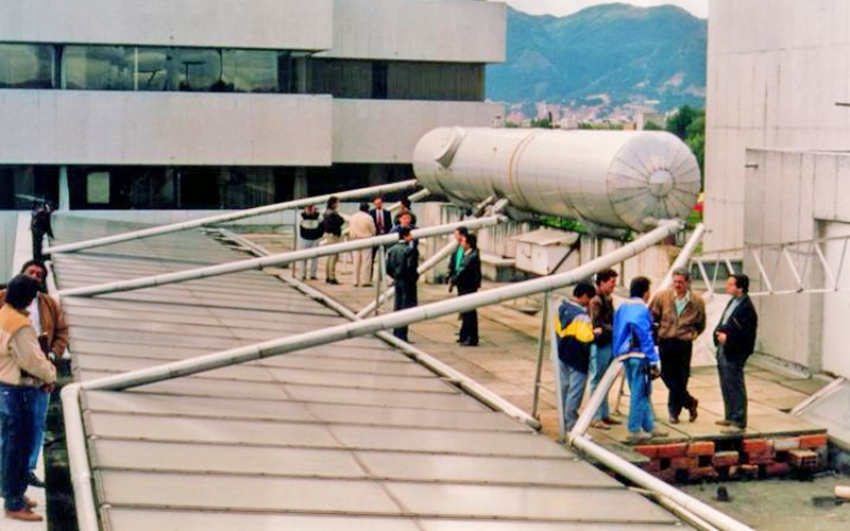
point(354, 435)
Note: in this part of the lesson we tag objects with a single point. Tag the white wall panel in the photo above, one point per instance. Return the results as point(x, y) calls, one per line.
point(387, 131)
point(270, 24)
point(94, 127)
point(419, 30)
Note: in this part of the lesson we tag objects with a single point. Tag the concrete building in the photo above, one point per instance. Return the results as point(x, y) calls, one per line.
point(775, 174)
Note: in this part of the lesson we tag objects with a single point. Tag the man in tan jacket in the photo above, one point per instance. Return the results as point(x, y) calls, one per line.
point(50, 325)
point(361, 226)
point(21, 362)
point(679, 317)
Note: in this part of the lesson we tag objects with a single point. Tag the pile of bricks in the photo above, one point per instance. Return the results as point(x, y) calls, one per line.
point(735, 459)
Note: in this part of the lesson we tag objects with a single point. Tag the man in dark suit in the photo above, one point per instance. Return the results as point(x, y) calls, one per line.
point(382, 217)
point(735, 338)
point(467, 278)
point(402, 265)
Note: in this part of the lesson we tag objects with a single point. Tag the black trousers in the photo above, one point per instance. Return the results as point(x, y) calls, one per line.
point(469, 322)
point(405, 297)
point(37, 244)
point(675, 372)
point(733, 387)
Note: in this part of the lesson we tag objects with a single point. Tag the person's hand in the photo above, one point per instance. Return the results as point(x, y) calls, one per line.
point(451, 285)
point(48, 388)
point(597, 331)
point(721, 338)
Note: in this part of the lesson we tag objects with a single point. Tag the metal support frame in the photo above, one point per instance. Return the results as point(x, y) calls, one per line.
point(71, 394)
point(273, 260)
point(232, 216)
point(541, 351)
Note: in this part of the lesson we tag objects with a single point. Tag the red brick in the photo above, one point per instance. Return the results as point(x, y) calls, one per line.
point(653, 466)
point(726, 459)
point(813, 441)
point(703, 472)
point(756, 446)
point(647, 450)
point(783, 445)
point(748, 471)
point(777, 469)
point(671, 450)
point(684, 463)
point(701, 448)
point(668, 475)
point(761, 458)
point(803, 459)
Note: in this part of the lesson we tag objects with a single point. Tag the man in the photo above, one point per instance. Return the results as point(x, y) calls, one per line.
point(332, 222)
point(382, 218)
point(633, 341)
point(575, 334)
point(402, 264)
point(40, 226)
point(405, 221)
point(309, 234)
point(20, 359)
point(48, 320)
point(362, 226)
point(457, 257)
point(467, 278)
point(735, 339)
point(679, 317)
point(601, 311)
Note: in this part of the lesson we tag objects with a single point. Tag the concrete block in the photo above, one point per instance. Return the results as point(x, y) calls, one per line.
point(803, 459)
point(784, 445)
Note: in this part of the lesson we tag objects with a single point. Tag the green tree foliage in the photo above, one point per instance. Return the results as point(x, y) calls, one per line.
point(689, 125)
point(652, 126)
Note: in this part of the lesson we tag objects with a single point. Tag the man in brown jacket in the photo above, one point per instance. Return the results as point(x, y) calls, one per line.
point(679, 316)
point(50, 325)
point(21, 360)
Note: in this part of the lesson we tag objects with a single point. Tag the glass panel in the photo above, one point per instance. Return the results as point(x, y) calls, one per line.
point(251, 71)
point(154, 70)
point(99, 67)
point(22, 186)
point(200, 70)
point(97, 187)
point(26, 66)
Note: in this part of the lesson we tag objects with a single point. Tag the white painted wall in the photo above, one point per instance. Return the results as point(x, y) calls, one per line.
point(836, 308)
point(776, 69)
point(419, 30)
point(386, 131)
point(269, 24)
point(103, 127)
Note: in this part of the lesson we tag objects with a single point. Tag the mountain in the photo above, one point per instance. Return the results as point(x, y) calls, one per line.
point(628, 53)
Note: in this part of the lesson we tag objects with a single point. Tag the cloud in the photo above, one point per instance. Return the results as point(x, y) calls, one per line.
point(567, 7)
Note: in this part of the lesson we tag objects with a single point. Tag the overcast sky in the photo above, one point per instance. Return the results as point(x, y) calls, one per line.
point(566, 7)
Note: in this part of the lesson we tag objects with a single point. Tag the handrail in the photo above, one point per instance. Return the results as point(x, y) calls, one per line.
point(273, 260)
point(231, 216)
point(75, 436)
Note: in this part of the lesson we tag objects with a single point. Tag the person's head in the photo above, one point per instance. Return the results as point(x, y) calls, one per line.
point(404, 234)
point(681, 281)
point(364, 206)
point(606, 281)
point(333, 201)
point(21, 291)
point(583, 292)
point(405, 203)
point(460, 232)
point(470, 241)
point(378, 202)
point(309, 209)
point(639, 288)
point(404, 219)
point(36, 270)
point(738, 285)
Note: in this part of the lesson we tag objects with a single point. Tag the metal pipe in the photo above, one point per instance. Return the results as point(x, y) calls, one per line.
point(71, 394)
point(259, 263)
point(221, 218)
point(541, 343)
point(684, 257)
point(438, 257)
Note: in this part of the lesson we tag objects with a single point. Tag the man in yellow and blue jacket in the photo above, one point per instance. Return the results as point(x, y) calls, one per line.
point(575, 335)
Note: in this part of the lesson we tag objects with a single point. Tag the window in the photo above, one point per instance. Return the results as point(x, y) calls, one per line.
point(26, 66)
point(21, 186)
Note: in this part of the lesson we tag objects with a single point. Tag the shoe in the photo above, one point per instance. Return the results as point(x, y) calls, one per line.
point(33, 481)
point(732, 430)
point(636, 437)
point(600, 425)
point(314, 278)
point(31, 503)
point(333, 281)
point(722, 422)
point(460, 340)
point(611, 422)
point(367, 285)
point(24, 515)
point(693, 411)
point(469, 343)
point(659, 434)
point(674, 419)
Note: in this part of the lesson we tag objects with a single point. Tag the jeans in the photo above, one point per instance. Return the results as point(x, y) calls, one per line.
point(600, 360)
point(37, 403)
point(15, 445)
point(733, 387)
point(640, 410)
point(314, 262)
point(573, 382)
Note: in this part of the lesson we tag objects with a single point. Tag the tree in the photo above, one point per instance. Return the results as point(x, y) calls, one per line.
point(652, 126)
point(689, 125)
point(679, 122)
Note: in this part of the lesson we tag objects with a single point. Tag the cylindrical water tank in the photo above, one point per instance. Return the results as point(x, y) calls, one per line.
point(620, 179)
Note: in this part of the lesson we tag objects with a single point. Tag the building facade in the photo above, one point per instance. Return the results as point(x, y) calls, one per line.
point(181, 105)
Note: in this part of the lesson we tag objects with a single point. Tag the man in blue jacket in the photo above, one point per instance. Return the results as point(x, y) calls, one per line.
point(633, 342)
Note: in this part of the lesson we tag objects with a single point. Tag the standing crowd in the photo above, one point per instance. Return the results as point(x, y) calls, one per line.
point(652, 339)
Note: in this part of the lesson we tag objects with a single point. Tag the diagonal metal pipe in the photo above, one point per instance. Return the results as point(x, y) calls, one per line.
point(273, 260)
point(232, 216)
point(75, 436)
